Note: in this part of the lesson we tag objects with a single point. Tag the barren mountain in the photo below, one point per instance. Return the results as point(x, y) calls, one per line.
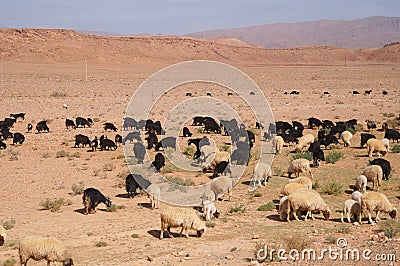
point(67, 46)
point(369, 32)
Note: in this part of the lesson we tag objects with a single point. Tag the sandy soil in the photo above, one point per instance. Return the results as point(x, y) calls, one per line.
point(31, 172)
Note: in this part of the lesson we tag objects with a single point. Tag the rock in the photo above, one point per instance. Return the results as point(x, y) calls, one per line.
point(315, 231)
point(254, 262)
point(234, 249)
point(150, 258)
point(228, 257)
point(256, 237)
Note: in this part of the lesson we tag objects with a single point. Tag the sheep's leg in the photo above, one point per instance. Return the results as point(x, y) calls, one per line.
point(295, 216)
point(312, 215)
point(180, 234)
point(305, 219)
point(348, 217)
point(377, 216)
point(229, 194)
point(369, 218)
point(342, 218)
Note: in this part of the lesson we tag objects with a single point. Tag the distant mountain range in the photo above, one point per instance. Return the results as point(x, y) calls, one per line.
point(371, 32)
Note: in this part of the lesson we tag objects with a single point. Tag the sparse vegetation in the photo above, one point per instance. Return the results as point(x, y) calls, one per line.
point(101, 244)
point(46, 155)
point(237, 209)
point(189, 151)
point(10, 262)
point(267, 207)
point(343, 229)
point(8, 224)
point(331, 239)
point(298, 242)
point(332, 188)
point(77, 189)
point(316, 185)
point(388, 115)
point(114, 208)
point(180, 181)
point(351, 130)
point(396, 148)
point(278, 171)
point(55, 204)
point(61, 154)
point(225, 148)
point(108, 167)
point(303, 155)
point(135, 236)
point(210, 224)
point(334, 156)
point(390, 227)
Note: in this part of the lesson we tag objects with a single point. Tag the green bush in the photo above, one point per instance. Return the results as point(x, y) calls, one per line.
point(303, 155)
point(114, 208)
point(267, 207)
point(77, 189)
point(351, 130)
point(10, 262)
point(396, 148)
point(55, 204)
point(237, 209)
point(8, 224)
point(391, 228)
point(179, 181)
point(61, 154)
point(278, 171)
point(334, 156)
point(332, 188)
point(101, 244)
point(135, 236)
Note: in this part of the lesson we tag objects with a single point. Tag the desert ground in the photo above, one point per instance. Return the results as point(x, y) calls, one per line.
point(47, 165)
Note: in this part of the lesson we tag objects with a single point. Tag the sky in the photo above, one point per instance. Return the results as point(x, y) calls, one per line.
point(181, 16)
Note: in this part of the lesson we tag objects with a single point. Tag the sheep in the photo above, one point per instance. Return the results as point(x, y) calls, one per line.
point(306, 200)
point(361, 183)
point(386, 143)
point(299, 165)
point(304, 141)
point(221, 185)
point(283, 208)
point(208, 195)
point(292, 187)
point(153, 191)
point(378, 202)
point(3, 235)
point(278, 144)
point(91, 198)
point(386, 168)
point(356, 195)
point(377, 146)
point(206, 151)
point(351, 207)
point(346, 137)
point(181, 217)
point(261, 172)
point(209, 209)
point(302, 180)
point(374, 174)
point(48, 248)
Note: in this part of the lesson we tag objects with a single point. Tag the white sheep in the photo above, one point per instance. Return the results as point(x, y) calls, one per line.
point(351, 207)
point(181, 217)
point(283, 208)
point(302, 180)
point(376, 146)
point(208, 195)
point(206, 151)
point(222, 185)
point(306, 200)
point(361, 183)
point(386, 143)
point(356, 195)
point(3, 235)
point(48, 248)
point(346, 137)
point(378, 202)
point(209, 210)
point(299, 166)
point(304, 142)
point(374, 174)
point(279, 142)
point(154, 191)
point(261, 172)
point(292, 187)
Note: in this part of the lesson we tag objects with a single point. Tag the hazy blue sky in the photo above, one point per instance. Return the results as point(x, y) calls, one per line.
point(181, 16)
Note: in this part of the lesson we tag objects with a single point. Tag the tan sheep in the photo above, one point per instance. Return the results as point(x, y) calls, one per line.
point(208, 195)
point(376, 146)
point(292, 187)
point(3, 235)
point(48, 248)
point(361, 183)
point(356, 195)
point(181, 217)
point(154, 191)
point(374, 174)
point(222, 185)
point(351, 207)
point(209, 210)
point(346, 137)
point(302, 180)
point(279, 142)
point(378, 202)
point(299, 166)
point(306, 200)
point(283, 208)
point(304, 142)
point(261, 172)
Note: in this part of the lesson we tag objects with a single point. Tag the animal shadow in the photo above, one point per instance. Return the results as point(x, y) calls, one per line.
point(81, 211)
point(274, 217)
point(123, 196)
point(145, 205)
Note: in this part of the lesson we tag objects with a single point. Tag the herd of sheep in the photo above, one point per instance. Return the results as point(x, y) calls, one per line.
point(297, 195)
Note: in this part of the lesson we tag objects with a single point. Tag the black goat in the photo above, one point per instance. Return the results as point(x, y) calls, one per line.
point(29, 127)
point(139, 150)
point(186, 132)
point(2, 145)
point(42, 126)
point(107, 144)
point(318, 156)
point(159, 161)
point(221, 168)
point(118, 139)
point(198, 142)
point(365, 137)
point(168, 142)
point(18, 115)
point(69, 123)
point(18, 138)
point(392, 134)
point(94, 144)
point(131, 185)
point(384, 164)
point(130, 123)
point(132, 136)
point(151, 139)
point(110, 126)
point(81, 140)
point(92, 198)
point(83, 122)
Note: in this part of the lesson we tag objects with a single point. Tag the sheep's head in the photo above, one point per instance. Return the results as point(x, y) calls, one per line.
point(2, 240)
point(393, 213)
point(68, 262)
point(217, 214)
point(201, 232)
point(327, 214)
